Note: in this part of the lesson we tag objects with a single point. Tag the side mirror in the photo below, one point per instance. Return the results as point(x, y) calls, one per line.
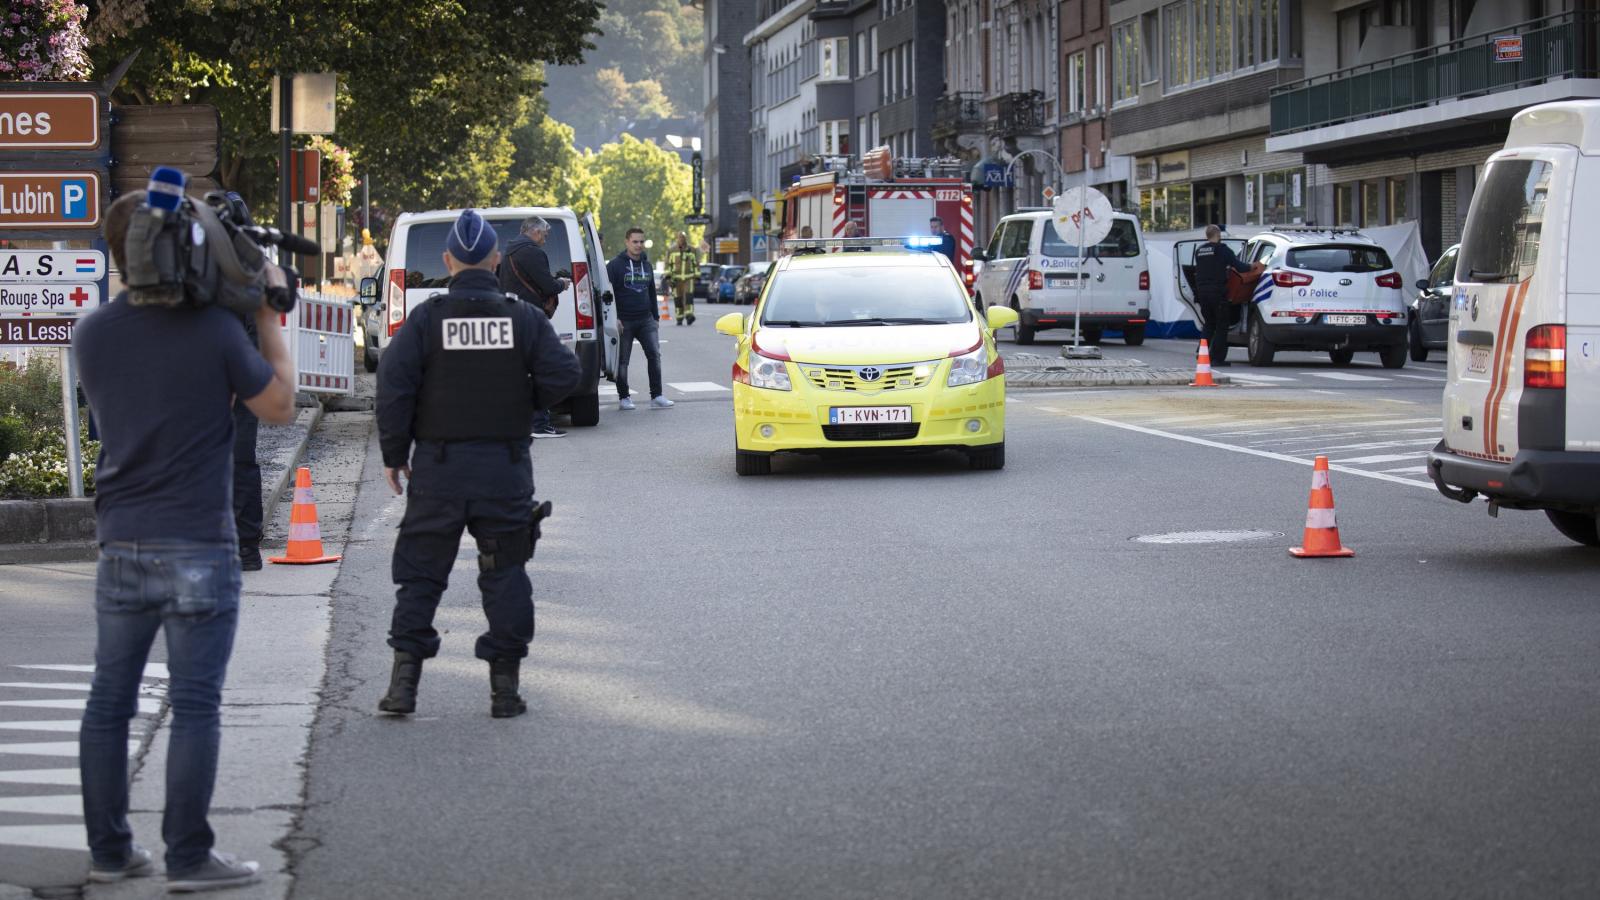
point(999, 317)
point(978, 255)
point(731, 325)
point(368, 292)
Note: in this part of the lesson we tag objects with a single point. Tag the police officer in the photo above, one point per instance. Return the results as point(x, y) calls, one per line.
point(457, 392)
point(1212, 260)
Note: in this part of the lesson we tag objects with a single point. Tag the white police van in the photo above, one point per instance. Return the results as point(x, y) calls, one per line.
point(414, 271)
point(1321, 289)
point(1522, 400)
point(1034, 270)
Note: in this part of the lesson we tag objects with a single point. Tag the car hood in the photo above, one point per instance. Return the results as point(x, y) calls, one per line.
point(861, 345)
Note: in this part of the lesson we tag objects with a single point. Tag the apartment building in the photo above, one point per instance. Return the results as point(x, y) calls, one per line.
point(725, 139)
point(1085, 141)
point(1402, 101)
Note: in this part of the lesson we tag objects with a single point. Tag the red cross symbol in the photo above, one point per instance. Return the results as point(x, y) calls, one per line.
point(79, 295)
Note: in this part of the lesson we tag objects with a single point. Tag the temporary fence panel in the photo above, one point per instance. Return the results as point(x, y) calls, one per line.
point(321, 337)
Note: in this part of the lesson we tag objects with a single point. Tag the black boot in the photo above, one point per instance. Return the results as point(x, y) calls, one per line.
point(504, 701)
point(402, 697)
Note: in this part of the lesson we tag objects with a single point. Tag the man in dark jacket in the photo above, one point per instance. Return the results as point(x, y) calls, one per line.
point(1212, 260)
point(457, 390)
point(525, 272)
point(633, 285)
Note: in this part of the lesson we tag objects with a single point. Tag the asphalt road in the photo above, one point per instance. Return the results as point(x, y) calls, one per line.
point(899, 678)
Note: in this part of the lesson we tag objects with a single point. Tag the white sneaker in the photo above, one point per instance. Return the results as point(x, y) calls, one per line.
point(625, 403)
point(661, 403)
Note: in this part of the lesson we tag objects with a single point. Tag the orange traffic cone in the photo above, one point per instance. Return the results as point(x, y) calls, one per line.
point(305, 535)
point(1202, 367)
point(1322, 530)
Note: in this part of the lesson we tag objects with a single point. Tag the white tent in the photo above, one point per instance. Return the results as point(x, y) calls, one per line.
point(1169, 317)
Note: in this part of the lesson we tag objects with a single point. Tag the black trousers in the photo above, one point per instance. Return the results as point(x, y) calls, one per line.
point(246, 478)
point(1219, 318)
point(424, 554)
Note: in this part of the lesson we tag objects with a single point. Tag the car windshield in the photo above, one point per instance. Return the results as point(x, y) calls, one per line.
point(732, 273)
point(708, 271)
point(1339, 259)
point(865, 295)
point(1121, 243)
point(758, 268)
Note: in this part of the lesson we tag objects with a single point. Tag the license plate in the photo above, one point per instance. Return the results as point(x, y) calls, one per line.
point(869, 415)
point(1344, 320)
point(1478, 360)
point(1060, 281)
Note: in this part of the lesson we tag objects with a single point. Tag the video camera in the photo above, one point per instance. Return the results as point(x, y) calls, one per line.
point(178, 252)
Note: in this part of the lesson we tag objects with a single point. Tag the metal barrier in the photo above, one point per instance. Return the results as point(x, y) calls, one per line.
point(321, 337)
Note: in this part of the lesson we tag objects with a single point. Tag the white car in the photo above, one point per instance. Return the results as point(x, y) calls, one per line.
point(1522, 399)
point(1322, 289)
point(1035, 271)
point(414, 271)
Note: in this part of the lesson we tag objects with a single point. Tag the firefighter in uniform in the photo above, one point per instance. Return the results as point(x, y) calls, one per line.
point(683, 264)
point(457, 392)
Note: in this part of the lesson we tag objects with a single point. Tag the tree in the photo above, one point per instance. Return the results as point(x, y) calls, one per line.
point(43, 41)
point(644, 186)
point(547, 169)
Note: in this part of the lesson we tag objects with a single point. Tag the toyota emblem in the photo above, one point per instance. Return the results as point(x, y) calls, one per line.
point(870, 373)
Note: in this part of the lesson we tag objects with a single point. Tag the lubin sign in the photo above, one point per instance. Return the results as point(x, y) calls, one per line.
point(50, 199)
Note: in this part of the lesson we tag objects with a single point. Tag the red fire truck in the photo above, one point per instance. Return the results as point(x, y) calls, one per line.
point(885, 197)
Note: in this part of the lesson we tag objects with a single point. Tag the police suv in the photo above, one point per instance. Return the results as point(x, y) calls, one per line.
point(414, 271)
point(1322, 289)
point(1522, 399)
point(1035, 271)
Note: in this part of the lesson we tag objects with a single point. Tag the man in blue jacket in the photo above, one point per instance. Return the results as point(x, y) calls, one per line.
point(633, 284)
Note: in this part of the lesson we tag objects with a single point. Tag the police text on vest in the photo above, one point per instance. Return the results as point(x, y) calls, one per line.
point(478, 334)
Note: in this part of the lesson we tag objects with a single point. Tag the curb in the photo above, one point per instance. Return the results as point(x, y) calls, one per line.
point(269, 501)
point(59, 529)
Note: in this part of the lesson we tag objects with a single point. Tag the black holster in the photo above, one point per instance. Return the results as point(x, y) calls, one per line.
point(514, 548)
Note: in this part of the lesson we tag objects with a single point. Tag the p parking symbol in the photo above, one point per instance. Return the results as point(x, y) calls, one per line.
point(75, 199)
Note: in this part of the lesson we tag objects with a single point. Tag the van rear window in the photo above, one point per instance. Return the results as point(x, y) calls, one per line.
point(1121, 243)
point(1506, 222)
point(1339, 259)
point(425, 249)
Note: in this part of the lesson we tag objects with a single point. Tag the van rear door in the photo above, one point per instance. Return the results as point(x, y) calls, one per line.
point(1507, 284)
point(600, 295)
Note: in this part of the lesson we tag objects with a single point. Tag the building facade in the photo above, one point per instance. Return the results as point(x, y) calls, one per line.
point(725, 141)
point(1084, 138)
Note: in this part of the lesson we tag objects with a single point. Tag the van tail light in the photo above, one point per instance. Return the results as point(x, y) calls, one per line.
point(1292, 279)
point(1144, 280)
point(1390, 280)
point(584, 309)
point(396, 301)
point(970, 278)
point(1035, 280)
point(1546, 358)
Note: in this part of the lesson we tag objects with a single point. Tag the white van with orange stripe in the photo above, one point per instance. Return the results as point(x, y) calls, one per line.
point(1521, 424)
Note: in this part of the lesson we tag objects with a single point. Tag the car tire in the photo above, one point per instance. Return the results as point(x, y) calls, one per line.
point(987, 459)
point(1133, 335)
point(586, 410)
point(746, 463)
point(1342, 357)
point(1259, 349)
point(369, 359)
point(1394, 357)
point(1581, 527)
point(1024, 333)
point(1419, 353)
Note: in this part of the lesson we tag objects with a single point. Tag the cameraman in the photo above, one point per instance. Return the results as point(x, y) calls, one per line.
point(161, 381)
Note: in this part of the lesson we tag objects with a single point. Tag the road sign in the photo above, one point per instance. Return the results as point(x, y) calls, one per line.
point(52, 265)
point(49, 297)
point(727, 245)
point(697, 219)
point(37, 120)
point(36, 331)
point(1049, 194)
point(696, 165)
point(1082, 208)
point(49, 199)
point(758, 243)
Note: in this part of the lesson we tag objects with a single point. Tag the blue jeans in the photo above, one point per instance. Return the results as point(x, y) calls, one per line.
point(648, 333)
point(191, 590)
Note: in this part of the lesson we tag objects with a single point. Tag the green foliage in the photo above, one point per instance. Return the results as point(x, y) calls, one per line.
point(644, 185)
point(42, 471)
point(33, 449)
point(13, 437)
point(546, 168)
point(32, 397)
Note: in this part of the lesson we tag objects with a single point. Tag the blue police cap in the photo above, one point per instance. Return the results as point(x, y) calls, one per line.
point(471, 239)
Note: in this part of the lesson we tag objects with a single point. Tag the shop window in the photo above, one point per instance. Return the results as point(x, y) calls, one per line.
point(1169, 208)
point(1283, 197)
point(1371, 204)
point(1344, 205)
point(1399, 203)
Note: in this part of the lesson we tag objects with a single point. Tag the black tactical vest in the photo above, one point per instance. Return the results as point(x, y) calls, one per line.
point(475, 383)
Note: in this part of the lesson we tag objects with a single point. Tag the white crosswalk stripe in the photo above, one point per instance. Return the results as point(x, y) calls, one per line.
point(47, 805)
point(698, 387)
point(1344, 376)
point(40, 776)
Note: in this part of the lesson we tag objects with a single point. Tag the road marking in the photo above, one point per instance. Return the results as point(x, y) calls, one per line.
point(1422, 377)
point(46, 805)
point(151, 670)
point(46, 685)
point(1177, 420)
point(1329, 393)
point(698, 387)
point(1383, 458)
point(1250, 451)
point(42, 725)
point(46, 837)
point(145, 705)
point(1265, 379)
point(40, 776)
point(1343, 376)
point(1369, 445)
point(54, 748)
point(1410, 470)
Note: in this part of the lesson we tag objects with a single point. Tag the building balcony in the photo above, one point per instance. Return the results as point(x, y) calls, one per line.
point(1484, 77)
point(958, 113)
point(1019, 114)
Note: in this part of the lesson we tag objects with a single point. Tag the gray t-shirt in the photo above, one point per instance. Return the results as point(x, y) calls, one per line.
point(160, 384)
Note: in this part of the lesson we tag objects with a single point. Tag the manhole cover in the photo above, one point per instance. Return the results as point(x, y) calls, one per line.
point(1206, 537)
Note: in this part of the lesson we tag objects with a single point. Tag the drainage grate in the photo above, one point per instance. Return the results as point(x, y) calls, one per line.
point(1205, 537)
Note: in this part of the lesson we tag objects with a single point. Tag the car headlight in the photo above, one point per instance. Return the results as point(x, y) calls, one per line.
point(769, 373)
point(970, 368)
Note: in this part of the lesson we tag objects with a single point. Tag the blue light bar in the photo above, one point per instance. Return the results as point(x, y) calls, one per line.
point(923, 240)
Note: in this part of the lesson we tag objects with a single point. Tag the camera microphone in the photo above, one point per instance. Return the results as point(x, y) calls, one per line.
point(293, 243)
point(164, 191)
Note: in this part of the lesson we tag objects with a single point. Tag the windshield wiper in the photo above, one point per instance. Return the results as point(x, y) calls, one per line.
point(794, 323)
point(845, 322)
point(1480, 275)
